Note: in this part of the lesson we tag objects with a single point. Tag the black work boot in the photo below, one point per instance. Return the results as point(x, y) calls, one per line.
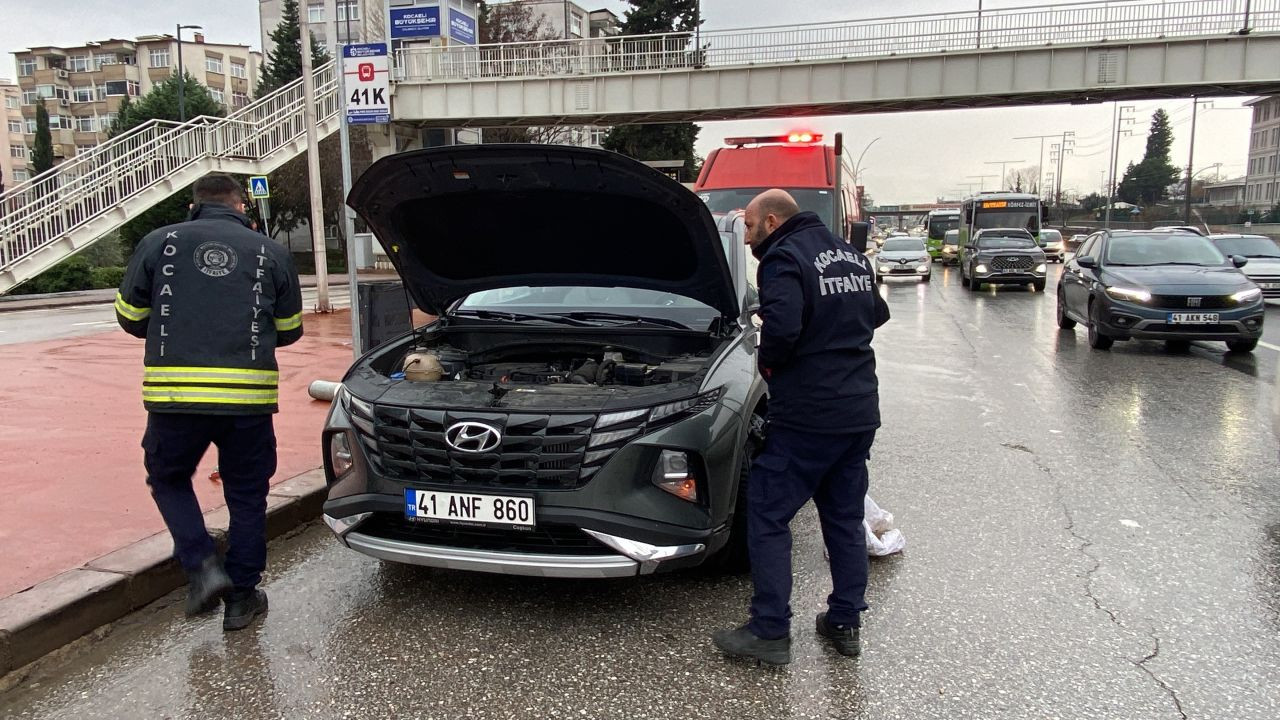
point(242, 607)
point(844, 638)
point(742, 643)
point(207, 586)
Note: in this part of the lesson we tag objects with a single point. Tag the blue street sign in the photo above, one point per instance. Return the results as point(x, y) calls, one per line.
point(258, 188)
point(415, 22)
point(462, 27)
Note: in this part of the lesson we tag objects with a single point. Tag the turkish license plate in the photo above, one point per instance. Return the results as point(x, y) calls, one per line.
point(1192, 318)
point(468, 509)
point(1269, 285)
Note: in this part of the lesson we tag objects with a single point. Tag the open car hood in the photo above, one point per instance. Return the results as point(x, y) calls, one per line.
point(460, 219)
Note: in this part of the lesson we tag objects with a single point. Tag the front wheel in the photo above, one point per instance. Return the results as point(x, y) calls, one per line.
point(1242, 346)
point(1097, 340)
point(926, 277)
point(1064, 322)
point(1039, 285)
point(734, 558)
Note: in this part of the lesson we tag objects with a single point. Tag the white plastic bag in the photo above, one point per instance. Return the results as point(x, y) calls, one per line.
point(882, 537)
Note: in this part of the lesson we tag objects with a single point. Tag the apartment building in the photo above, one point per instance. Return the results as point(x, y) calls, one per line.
point(13, 147)
point(83, 87)
point(1262, 181)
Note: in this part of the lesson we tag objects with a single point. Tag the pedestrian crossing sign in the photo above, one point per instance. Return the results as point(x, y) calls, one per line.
point(258, 188)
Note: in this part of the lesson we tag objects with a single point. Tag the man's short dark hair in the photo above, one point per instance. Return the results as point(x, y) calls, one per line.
point(217, 188)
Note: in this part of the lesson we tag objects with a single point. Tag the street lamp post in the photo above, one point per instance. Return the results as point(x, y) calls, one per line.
point(857, 165)
point(1191, 155)
point(182, 73)
point(1004, 164)
point(982, 181)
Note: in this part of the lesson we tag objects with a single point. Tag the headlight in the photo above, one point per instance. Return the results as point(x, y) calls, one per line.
point(1129, 294)
point(1247, 295)
point(633, 419)
point(674, 473)
point(922, 268)
point(980, 268)
point(884, 268)
point(1040, 268)
point(340, 454)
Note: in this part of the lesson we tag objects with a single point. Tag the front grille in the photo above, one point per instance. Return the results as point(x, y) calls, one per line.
point(538, 451)
point(1012, 262)
point(547, 538)
point(1208, 329)
point(1184, 302)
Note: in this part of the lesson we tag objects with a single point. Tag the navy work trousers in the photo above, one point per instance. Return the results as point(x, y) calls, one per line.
point(174, 444)
point(795, 467)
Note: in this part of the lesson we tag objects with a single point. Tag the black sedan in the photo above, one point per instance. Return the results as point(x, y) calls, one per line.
point(1159, 285)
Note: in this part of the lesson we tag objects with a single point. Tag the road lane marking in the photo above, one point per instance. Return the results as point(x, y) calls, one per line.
point(96, 322)
point(1269, 346)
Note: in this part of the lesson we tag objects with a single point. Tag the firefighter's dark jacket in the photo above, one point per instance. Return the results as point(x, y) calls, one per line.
point(214, 300)
point(820, 308)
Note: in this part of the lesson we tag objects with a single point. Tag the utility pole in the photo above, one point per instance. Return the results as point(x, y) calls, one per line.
point(1118, 118)
point(1191, 156)
point(182, 73)
point(1040, 167)
point(1062, 150)
point(313, 169)
point(982, 181)
point(336, 49)
point(1003, 164)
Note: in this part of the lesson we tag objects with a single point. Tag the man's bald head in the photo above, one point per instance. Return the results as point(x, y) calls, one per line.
point(767, 212)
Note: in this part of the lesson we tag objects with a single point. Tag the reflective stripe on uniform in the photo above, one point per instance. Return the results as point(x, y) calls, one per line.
point(192, 394)
point(232, 376)
point(130, 312)
point(289, 323)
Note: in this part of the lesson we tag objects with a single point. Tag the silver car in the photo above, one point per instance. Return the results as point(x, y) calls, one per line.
point(1051, 243)
point(1263, 254)
point(903, 256)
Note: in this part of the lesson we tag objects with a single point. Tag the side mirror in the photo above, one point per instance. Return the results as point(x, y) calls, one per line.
point(859, 233)
point(1239, 260)
point(751, 304)
point(1087, 261)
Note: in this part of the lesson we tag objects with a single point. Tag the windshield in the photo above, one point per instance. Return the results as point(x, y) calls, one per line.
point(813, 200)
point(1028, 219)
point(938, 226)
point(1050, 236)
point(1252, 246)
point(952, 238)
point(903, 245)
point(1171, 249)
point(1011, 241)
point(556, 301)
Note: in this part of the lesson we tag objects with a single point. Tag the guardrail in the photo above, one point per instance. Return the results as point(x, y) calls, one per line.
point(1073, 23)
point(49, 206)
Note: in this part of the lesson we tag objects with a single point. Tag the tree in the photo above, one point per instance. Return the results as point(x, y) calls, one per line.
point(42, 149)
point(670, 141)
point(1025, 180)
point(162, 104)
point(1149, 180)
point(284, 60)
point(1093, 201)
point(512, 22)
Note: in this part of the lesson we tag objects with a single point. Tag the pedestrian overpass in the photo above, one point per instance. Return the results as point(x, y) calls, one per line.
point(1079, 53)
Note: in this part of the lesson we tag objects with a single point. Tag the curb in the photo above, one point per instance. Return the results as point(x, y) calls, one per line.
point(46, 616)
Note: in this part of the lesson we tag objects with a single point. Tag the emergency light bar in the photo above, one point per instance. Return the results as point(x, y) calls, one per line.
point(790, 138)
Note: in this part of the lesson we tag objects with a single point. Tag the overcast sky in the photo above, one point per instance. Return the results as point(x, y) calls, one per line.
point(918, 157)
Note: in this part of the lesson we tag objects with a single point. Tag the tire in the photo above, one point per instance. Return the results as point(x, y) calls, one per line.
point(1064, 322)
point(1242, 346)
point(974, 284)
point(964, 280)
point(1097, 340)
point(927, 276)
point(1038, 285)
point(734, 558)
point(1177, 346)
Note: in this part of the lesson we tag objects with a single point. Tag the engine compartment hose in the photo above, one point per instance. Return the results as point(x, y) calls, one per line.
point(323, 389)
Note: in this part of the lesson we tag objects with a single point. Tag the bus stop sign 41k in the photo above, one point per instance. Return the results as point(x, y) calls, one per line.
point(367, 72)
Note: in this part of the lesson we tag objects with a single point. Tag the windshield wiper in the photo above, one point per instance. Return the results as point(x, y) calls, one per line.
point(624, 319)
point(518, 317)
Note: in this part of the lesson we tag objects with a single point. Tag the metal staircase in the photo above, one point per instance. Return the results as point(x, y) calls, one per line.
point(60, 212)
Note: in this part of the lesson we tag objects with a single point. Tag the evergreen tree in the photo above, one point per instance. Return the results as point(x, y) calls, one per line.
point(1148, 181)
point(42, 149)
point(284, 60)
point(162, 104)
point(671, 141)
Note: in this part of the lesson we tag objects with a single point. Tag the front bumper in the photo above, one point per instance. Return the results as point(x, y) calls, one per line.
point(1122, 320)
point(1054, 255)
point(1009, 278)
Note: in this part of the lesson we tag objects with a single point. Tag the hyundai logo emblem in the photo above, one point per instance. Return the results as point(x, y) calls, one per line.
point(472, 437)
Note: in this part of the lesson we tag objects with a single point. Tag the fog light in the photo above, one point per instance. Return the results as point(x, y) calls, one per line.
point(340, 454)
point(1251, 323)
point(674, 474)
point(980, 269)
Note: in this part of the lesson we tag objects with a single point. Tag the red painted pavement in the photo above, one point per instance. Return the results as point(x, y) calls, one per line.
point(71, 420)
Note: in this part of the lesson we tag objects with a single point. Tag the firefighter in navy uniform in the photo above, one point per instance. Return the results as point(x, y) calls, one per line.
point(820, 309)
point(213, 299)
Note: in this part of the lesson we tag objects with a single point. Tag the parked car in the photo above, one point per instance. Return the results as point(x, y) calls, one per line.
point(903, 256)
point(1159, 285)
point(1263, 255)
point(1051, 243)
point(580, 408)
point(950, 248)
point(1002, 256)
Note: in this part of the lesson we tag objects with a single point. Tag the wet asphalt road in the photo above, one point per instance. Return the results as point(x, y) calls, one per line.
point(1090, 535)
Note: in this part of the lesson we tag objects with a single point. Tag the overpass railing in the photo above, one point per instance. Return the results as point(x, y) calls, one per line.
point(1072, 23)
